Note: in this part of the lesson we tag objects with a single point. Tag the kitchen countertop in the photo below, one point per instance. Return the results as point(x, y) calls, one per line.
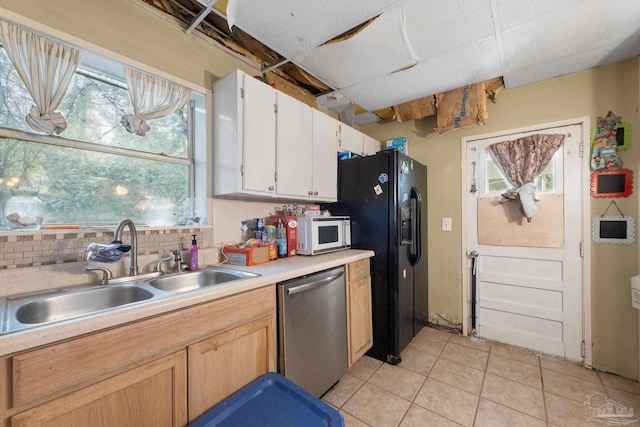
point(270, 273)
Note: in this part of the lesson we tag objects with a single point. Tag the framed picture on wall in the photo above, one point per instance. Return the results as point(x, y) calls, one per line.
point(612, 183)
point(615, 229)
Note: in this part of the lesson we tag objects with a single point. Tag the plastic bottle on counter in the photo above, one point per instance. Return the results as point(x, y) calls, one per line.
point(282, 239)
point(193, 254)
point(271, 241)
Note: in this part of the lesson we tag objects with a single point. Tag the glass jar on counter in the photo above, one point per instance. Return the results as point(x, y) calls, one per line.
point(23, 210)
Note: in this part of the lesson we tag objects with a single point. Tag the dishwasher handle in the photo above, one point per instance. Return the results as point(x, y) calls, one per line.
point(312, 285)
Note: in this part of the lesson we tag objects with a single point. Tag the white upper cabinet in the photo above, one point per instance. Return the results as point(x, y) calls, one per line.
point(294, 149)
point(325, 157)
point(267, 144)
point(370, 145)
point(350, 139)
point(244, 135)
point(357, 142)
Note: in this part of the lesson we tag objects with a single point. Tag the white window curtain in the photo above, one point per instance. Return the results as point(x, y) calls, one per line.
point(46, 67)
point(152, 98)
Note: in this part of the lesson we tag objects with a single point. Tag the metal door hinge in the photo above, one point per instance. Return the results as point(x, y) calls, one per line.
point(582, 349)
point(582, 249)
point(241, 170)
point(275, 176)
point(581, 149)
point(241, 92)
point(275, 108)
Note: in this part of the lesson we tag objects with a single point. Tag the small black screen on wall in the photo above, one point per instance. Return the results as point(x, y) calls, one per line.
point(613, 229)
point(611, 183)
point(620, 137)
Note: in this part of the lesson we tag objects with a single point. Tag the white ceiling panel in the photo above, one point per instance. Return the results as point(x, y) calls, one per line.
point(377, 50)
point(472, 63)
point(513, 13)
point(435, 27)
point(569, 35)
point(569, 64)
point(292, 26)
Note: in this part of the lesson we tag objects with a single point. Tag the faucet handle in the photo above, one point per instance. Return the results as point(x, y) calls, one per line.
point(106, 273)
point(158, 266)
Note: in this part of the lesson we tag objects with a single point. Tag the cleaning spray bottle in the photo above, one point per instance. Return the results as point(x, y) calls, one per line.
point(193, 254)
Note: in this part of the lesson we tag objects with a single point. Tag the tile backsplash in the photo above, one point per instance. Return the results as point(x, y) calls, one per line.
point(47, 247)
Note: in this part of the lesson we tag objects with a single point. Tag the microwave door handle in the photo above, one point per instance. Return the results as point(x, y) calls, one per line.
point(417, 225)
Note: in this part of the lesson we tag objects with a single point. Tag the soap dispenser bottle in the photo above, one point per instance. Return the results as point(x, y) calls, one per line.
point(193, 254)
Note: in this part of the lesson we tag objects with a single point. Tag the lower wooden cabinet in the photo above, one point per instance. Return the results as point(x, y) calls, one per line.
point(223, 364)
point(151, 395)
point(160, 371)
point(359, 315)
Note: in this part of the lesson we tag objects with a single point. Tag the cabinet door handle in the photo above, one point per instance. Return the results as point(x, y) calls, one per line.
point(315, 193)
point(310, 193)
point(271, 188)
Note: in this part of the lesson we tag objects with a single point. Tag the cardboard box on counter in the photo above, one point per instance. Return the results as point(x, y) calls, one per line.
point(246, 256)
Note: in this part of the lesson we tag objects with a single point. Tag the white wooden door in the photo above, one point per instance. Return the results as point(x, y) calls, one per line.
point(293, 147)
point(528, 274)
point(259, 137)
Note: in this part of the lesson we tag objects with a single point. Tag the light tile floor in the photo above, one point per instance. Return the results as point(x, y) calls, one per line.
point(451, 380)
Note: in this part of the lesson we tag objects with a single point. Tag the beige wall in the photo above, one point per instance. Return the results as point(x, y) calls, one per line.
point(129, 30)
point(590, 93)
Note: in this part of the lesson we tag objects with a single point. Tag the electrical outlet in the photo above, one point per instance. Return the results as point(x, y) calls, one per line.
point(446, 224)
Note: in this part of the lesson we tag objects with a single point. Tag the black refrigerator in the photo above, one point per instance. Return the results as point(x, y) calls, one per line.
point(385, 195)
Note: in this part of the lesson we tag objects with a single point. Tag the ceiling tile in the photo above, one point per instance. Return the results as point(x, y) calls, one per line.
point(377, 50)
point(291, 26)
point(512, 13)
point(583, 60)
point(564, 40)
point(469, 64)
point(435, 27)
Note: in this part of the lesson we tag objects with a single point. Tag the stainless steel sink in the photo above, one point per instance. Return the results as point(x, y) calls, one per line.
point(67, 305)
point(199, 279)
point(31, 310)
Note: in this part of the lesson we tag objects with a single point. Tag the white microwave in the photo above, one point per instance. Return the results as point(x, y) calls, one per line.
point(321, 234)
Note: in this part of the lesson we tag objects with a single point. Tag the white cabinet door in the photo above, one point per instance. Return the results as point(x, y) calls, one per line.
point(325, 157)
point(370, 145)
point(294, 154)
point(258, 137)
point(351, 139)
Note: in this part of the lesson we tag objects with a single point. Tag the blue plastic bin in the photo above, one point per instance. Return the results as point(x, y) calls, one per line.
point(271, 401)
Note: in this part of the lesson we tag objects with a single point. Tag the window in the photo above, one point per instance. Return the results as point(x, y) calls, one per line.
point(96, 172)
point(496, 182)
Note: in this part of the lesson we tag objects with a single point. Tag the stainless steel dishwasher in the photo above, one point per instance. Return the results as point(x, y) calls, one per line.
point(312, 330)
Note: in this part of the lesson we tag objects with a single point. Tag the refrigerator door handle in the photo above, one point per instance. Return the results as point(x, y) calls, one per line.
point(414, 257)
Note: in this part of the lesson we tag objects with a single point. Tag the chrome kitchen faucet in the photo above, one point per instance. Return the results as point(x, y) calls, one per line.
point(117, 238)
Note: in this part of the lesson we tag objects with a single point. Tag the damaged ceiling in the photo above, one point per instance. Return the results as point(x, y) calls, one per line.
point(382, 53)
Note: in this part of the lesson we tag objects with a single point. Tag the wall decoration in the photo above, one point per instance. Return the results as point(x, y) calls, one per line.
point(613, 229)
point(604, 153)
point(612, 183)
point(623, 136)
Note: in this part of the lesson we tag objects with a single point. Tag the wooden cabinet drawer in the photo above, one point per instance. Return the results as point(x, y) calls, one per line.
point(58, 369)
point(152, 395)
point(358, 270)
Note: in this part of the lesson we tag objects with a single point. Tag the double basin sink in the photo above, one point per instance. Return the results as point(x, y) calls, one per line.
point(21, 312)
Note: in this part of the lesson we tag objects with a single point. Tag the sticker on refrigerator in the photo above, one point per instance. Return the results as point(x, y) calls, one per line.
point(383, 177)
point(378, 190)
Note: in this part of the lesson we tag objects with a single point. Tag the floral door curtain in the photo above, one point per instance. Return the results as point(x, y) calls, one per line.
point(522, 161)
